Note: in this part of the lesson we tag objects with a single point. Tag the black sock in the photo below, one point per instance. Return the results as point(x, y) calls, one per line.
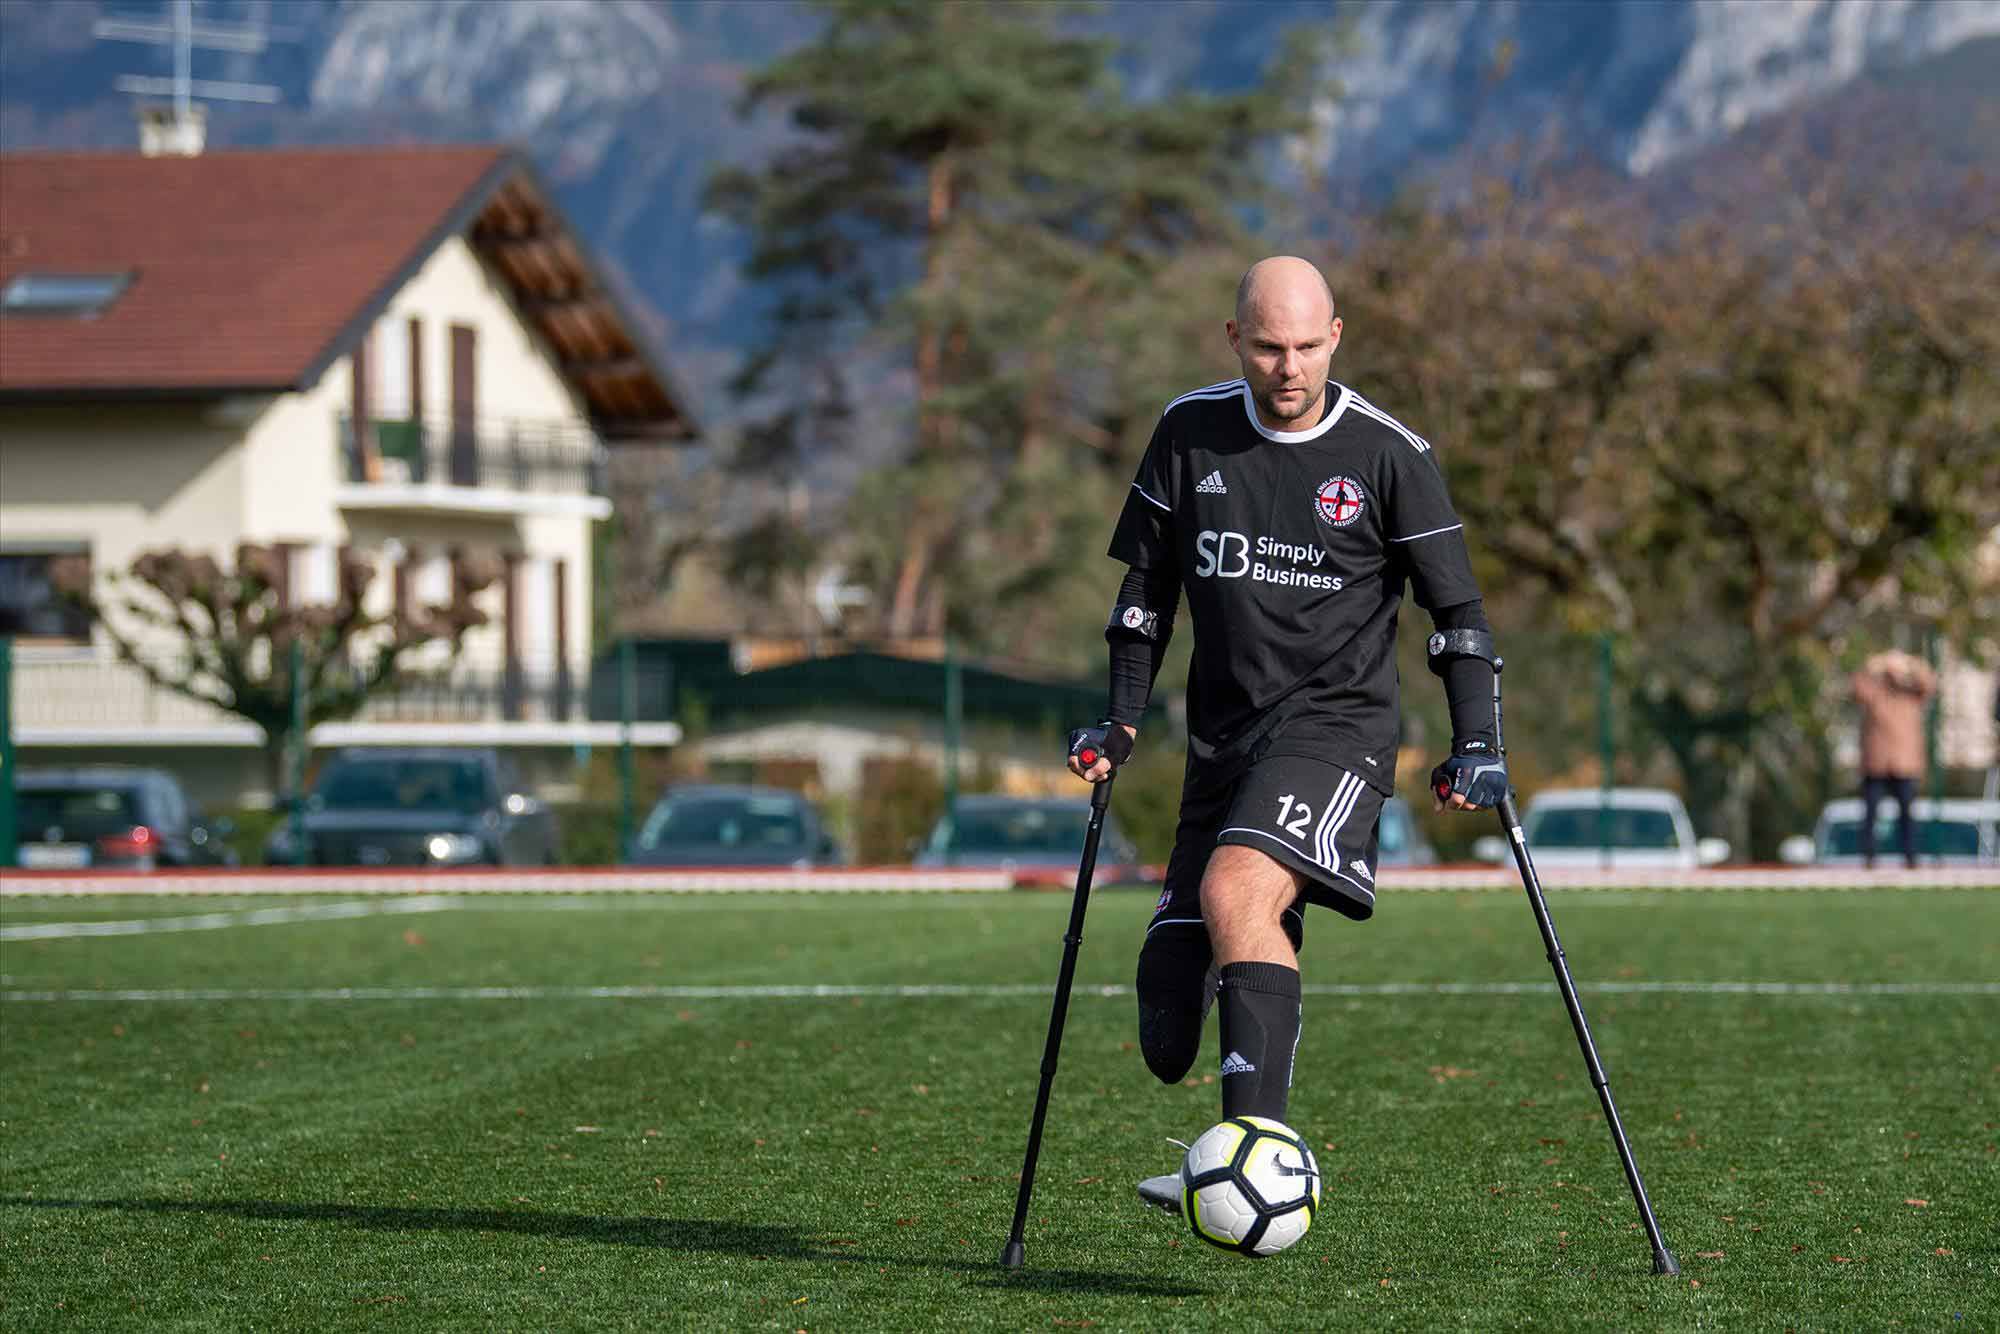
point(1259, 1003)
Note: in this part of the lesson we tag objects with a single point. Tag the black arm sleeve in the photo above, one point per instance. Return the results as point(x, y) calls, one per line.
point(1138, 651)
point(1468, 682)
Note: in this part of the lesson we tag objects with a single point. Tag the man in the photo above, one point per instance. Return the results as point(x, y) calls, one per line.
point(1291, 512)
point(1891, 689)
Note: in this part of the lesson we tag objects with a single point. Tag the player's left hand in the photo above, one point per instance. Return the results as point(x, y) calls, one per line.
point(1472, 778)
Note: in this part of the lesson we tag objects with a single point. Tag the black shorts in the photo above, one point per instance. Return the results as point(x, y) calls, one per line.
point(1310, 815)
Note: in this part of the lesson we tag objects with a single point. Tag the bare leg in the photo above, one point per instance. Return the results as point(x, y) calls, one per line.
point(1244, 895)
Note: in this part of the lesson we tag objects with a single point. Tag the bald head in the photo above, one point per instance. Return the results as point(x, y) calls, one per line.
point(1284, 334)
point(1283, 280)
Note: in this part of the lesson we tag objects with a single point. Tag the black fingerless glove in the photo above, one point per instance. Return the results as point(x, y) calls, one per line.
point(1106, 738)
point(1474, 771)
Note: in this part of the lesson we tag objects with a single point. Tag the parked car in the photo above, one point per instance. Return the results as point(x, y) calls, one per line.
point(731, 825)
point(1644, 827)
point(112, 816)
point(1398, 841)
point(1953, 832)
point(436, 807)
point(1025, 833)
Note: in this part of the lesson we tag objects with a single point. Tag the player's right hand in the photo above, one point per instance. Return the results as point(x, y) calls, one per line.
point(1096, 752)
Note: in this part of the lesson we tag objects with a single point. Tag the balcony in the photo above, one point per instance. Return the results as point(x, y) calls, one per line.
point(479, 466)
point(79, 698)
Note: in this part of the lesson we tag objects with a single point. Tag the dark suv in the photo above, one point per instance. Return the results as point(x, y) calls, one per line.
point(724, 825)
point(112, 816)
point(436, 807)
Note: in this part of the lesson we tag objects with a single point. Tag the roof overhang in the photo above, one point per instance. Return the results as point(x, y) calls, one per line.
point(599, 343)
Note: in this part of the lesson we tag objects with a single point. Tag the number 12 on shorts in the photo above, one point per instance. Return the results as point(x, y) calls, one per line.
point(1295, 825)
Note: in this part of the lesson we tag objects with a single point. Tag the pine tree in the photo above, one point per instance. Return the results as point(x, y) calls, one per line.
point(976, 225)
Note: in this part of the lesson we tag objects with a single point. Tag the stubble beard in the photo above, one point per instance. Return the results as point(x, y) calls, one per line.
point(1277, 412)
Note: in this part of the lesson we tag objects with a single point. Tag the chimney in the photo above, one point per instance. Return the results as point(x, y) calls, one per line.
point(165, 131)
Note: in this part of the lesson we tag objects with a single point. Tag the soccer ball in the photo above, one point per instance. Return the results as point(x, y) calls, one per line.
point(1249, 1185)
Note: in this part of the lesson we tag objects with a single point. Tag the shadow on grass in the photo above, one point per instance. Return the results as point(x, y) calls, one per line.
point(752, 1241)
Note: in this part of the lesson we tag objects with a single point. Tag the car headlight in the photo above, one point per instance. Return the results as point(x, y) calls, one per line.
point(451, 849)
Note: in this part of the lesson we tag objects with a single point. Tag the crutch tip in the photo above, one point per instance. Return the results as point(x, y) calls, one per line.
point(1013, 1255)
point(1664, 1262)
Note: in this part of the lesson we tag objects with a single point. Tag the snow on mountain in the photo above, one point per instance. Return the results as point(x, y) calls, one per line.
point(1637, 84)
point(526, 68)
point(1748, 60)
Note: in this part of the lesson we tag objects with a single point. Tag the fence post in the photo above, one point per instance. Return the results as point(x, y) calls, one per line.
point(628, 704)
point(1607, 750)
point(297, 757)
point(9, 834)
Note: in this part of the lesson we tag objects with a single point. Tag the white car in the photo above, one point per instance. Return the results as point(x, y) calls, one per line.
point(1966, 833)
point(1644, 827)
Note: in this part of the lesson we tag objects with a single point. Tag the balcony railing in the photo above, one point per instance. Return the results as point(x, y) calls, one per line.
point(79, 696)
point(528, 457)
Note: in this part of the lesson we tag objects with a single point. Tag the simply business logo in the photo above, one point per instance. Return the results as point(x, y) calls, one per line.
point(1228, 555)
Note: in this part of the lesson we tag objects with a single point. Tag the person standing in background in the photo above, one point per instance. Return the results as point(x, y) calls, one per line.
point(1891, 689)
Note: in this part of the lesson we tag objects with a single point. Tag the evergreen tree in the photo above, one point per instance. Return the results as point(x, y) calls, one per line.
point(975, 221)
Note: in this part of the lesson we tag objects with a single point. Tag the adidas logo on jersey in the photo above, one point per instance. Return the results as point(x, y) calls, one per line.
point(1234, 1064)
point(1211, 485)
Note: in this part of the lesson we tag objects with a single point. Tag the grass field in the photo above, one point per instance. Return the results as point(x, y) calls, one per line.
point(428, 1114)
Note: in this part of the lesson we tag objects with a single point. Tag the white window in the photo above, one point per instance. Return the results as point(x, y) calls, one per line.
point(390, 360)
point(431, 586)
point(535, 597)
point(316, 574)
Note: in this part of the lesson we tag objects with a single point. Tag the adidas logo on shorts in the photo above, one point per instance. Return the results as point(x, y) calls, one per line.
point(1211, 485)
point(1361, 869)
point(1234, 1064)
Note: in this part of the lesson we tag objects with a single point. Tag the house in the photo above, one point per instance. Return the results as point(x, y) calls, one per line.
point(400, 352)
point(776, 702)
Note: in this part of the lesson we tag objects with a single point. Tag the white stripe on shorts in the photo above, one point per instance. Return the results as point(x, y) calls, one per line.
point(1320, 853)
point(1345, 795)
point(1333, 843)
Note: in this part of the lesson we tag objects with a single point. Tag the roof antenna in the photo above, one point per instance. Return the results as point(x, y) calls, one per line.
point(180, 128)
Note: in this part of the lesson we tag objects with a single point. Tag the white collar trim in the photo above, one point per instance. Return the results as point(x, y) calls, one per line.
point(1298, 437)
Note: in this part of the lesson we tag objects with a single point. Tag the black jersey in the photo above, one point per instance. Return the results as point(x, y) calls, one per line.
point(1293, 549)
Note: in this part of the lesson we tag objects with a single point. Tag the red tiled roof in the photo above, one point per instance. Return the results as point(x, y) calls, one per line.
point(249, 265)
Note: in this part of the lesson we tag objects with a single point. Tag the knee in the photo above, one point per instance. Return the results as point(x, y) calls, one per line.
point(1243, 889)
point(1173, 972)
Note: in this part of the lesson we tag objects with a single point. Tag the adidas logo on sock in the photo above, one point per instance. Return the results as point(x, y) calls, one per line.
point(1234, 1064)
point(1211, 485)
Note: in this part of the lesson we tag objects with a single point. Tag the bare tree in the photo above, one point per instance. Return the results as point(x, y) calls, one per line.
point(227, 637)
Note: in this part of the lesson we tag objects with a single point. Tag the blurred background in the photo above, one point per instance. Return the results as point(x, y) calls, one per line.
point(594, 397)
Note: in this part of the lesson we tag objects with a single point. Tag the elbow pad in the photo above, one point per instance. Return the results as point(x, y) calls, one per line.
point(1129, 620)
point(1447, 646)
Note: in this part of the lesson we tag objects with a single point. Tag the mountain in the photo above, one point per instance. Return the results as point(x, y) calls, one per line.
point(1636, 84)
point(627, 105)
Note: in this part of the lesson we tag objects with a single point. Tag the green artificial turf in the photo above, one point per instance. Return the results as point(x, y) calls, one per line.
point(225, 1134)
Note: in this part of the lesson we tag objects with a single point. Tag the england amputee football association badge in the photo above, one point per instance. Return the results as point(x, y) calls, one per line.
point(1340, 501)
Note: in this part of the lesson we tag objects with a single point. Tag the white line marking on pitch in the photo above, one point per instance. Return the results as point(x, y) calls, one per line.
point(217, 921)
point(986, 991)
point(679, 904)
point(425, 903)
